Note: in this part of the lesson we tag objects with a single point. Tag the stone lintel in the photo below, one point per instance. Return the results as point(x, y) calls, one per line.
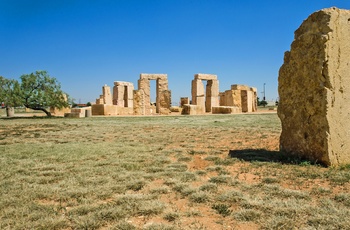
point(153, 76)
point(240, 87)
point(202, 76)
point(124, 83)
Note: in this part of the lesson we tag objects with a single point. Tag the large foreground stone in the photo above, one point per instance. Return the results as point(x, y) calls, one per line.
point(314, 89)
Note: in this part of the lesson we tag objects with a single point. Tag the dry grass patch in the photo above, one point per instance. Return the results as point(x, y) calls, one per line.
point(164, 172)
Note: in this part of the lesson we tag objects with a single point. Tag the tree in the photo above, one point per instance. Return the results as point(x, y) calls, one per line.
point(263, 103)
point(10, 94)
point(39, 91)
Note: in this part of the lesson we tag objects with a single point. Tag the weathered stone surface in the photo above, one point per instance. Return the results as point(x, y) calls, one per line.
point(123, 95)
point(139, 102)
point(208, 97)
point(175, 109)
point(105, 110)
point(314, 89)
point(226, 110)
point(241, 96)
point(184, 101)
point(201, 76)
point(100, 101)
point(72, 115)
point(197, 91)
point(192, 110)
point(212, 95)
point(163, 95)
point(164, 102)
point(59, 112)
point(107, 96)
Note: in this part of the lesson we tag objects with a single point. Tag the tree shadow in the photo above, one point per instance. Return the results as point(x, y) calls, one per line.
point(30, 117)
point(263, 155)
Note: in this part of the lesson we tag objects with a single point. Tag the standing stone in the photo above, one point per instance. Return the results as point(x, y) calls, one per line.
point(206, 98)
point(123, 95)
point(184, 101)
point(163, 95)
point(107, 96)
point(212, 95)
point(314, 89)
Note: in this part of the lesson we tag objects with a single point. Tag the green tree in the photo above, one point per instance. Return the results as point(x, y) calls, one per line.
point(10, 94)
point(39, 91)
point(263, 103)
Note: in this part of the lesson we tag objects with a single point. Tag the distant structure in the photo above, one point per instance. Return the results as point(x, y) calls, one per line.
point(240, 98)
point(128, 101)
point(142, 99)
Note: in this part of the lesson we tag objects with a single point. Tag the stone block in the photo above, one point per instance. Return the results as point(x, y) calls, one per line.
point(107, 96)
point(240, 87)
point(226, 110)
point(139, 107)
point(104, 110)
point(193, 110)
point(175, 109)
point(184, 100)
point(314, 90)
point(72, 115)
point(201, 76)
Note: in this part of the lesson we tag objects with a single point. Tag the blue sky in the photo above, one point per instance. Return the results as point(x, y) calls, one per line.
point(88, 43)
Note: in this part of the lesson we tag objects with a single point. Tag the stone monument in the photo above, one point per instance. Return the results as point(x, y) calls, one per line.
point(142, 100)
point(205, 101)
point(314, 89)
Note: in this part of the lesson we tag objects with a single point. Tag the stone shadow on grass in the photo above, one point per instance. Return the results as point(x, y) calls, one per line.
point(263, 155)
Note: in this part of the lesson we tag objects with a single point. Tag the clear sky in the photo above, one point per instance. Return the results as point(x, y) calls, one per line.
point(88, 43)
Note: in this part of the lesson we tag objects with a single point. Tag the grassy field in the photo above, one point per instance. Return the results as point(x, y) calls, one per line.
point(162, 172)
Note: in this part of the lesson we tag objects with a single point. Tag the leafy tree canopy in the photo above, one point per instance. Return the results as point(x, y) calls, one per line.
point(39, 91)
point(10, 92)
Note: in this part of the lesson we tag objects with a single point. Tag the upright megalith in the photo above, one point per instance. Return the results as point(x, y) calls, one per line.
point(107, 96)
point(142, 100)
point(206, 98)
point(314, 89)
point(123, 95)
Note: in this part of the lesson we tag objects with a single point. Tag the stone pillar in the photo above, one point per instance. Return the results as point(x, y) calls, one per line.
point(254, 99)
point(244, 101)
point(123, 94)
point(139, 102)
point(107, 96)
point(184, 101)
point(144, 85)
point(198, 93)
point(163, 98)
point(212, 95)
point(164, 102)
point(118, 95)
point(314, 89)
point(100, 101)
point(129, 98)
point(222, 99)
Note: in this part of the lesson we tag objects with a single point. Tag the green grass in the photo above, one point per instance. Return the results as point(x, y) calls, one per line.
point(162, 172)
